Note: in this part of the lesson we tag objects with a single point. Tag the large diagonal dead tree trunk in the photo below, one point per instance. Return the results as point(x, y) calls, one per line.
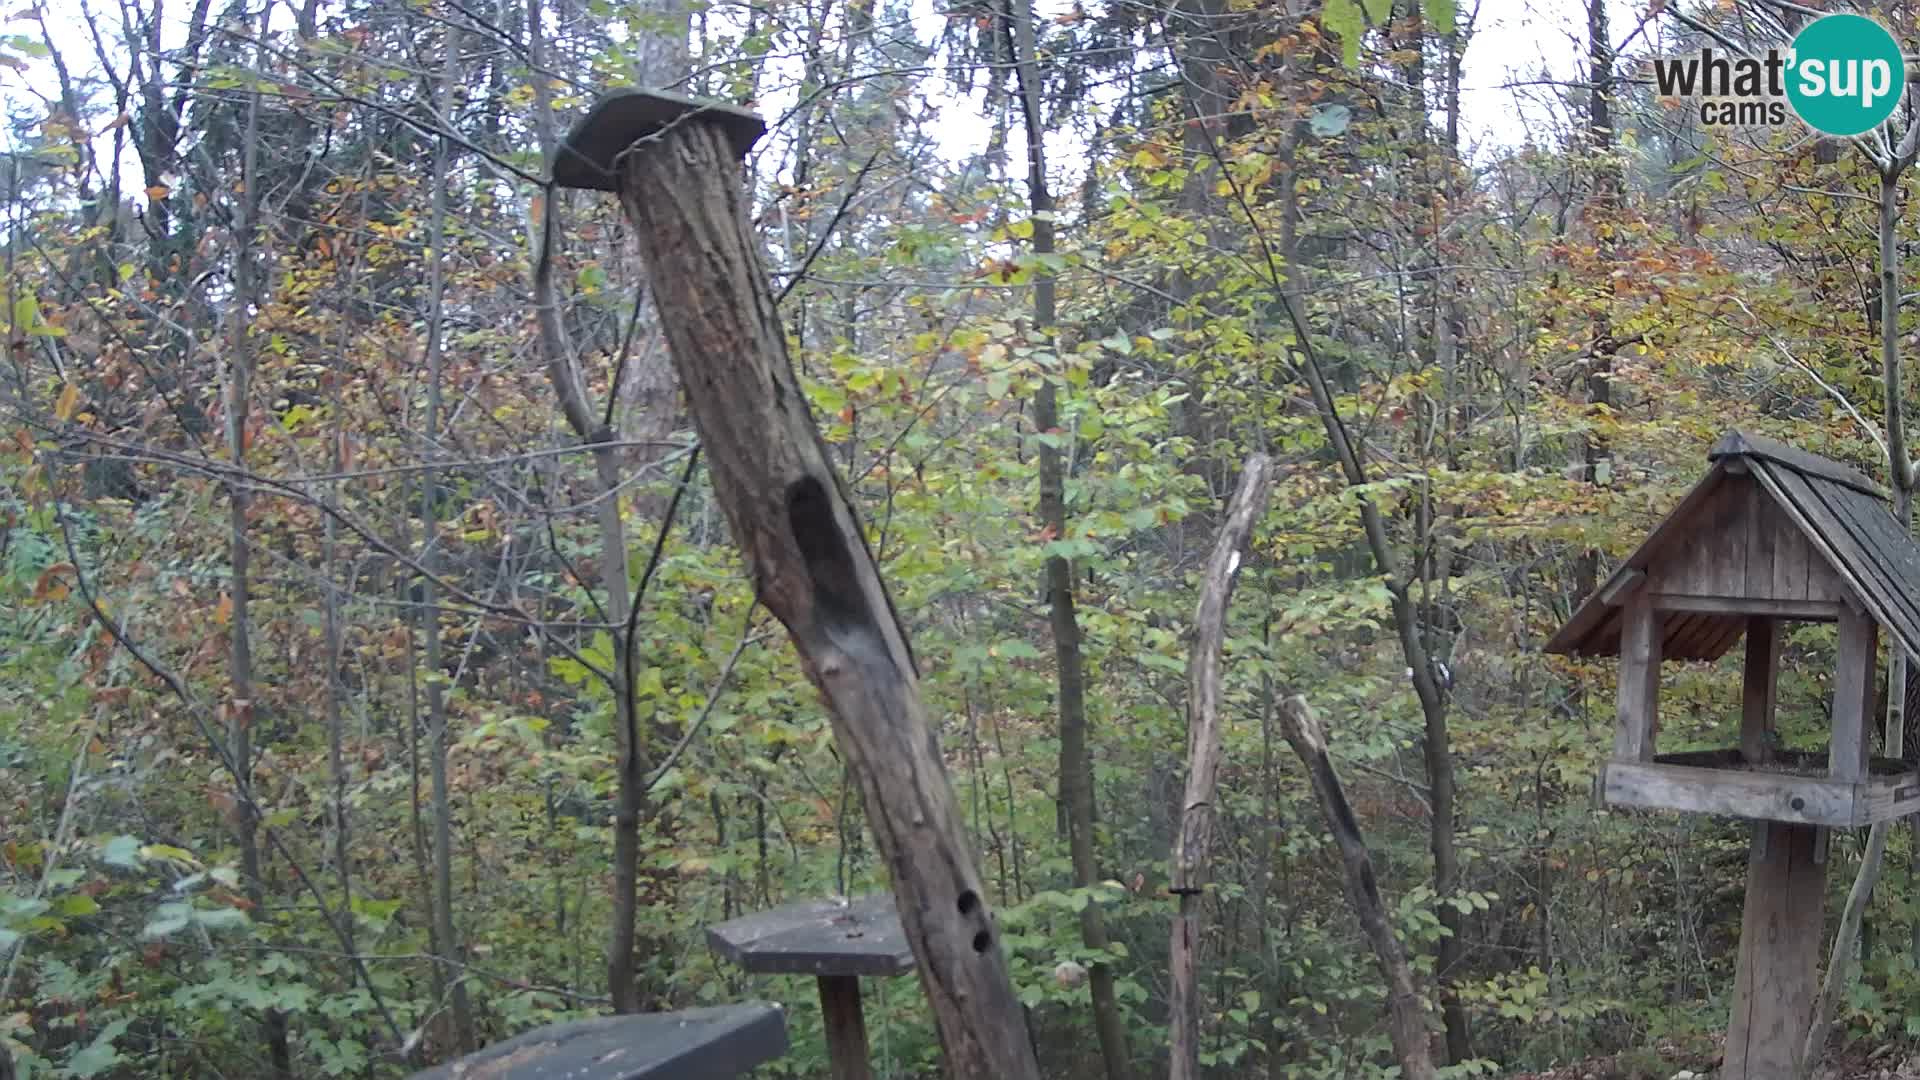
point(811, 567)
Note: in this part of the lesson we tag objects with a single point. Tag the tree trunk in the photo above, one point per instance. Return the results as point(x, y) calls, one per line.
point(1900, 470)
point(1406, 1014)
point(1192, 848)
point(803, 542)
point(240, 710)
point(1076, 760)
point(449, 949)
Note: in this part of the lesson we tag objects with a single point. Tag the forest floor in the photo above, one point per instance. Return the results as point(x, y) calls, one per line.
point(1862, 1060)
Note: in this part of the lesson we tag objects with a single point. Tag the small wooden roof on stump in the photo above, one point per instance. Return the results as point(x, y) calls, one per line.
point(1770, 530)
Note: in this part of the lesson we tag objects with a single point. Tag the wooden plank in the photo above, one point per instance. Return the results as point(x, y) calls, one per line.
point(1741, 444)
point(1762, 796)
point(1853, 686)
point(1727, 538)
point(1638, 696)
point(1885, 796)
point(1779, 960)
point(1791, 553)
point(692, 1044)
point(1762, 535)
point(1757, 687)
point(1689, 567)
point(1615, 591)
point(1802, 610)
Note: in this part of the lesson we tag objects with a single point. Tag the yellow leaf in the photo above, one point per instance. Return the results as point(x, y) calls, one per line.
point(69, 400)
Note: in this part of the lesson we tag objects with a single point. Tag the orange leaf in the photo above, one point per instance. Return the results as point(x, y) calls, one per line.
point(159, 191)
point(224, 612)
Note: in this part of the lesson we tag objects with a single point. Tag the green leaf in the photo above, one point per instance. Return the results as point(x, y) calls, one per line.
point(226, 918)
point(1439, 14)
point(122, 851)
point(168, 919)
point(99, 1055)
point(1342, 19)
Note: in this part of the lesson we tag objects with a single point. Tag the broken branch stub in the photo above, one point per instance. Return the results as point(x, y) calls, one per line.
point(810, 565)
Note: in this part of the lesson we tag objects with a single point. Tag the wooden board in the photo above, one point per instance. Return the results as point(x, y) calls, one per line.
point(693, 1044)
point(1779, 962)
point(1730, 793)
point(818, 937)
point(1714, 782)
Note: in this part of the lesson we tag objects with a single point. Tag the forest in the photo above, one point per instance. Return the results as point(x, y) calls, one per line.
point(1235, 397)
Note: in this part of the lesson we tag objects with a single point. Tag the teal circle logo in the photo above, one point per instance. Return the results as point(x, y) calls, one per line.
point(1845, 74)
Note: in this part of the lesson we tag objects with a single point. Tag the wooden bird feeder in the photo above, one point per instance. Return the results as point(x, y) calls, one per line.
point(1770, 535)
point(834, 942)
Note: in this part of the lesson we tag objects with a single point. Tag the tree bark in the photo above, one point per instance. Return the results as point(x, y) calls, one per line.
point(240, 710)
point(807, 552)
point(1406, 1013)
point(1193, 846)
point(1076, 760)
point(460, 1010)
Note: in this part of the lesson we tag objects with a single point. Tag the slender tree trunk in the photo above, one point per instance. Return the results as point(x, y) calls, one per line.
point(1076, 761)
point(1406, 1023)
point(1840, 966)
point(241, 710)
point(443, 921)
point(1602, 211)
point(654, 378)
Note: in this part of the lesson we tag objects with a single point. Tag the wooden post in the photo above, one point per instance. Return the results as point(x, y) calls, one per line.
point(1639, 692)
point(1777, 972)
point(1192, 848)
point(1854, 660)
point(1757, 689)
point(846, 1027)
point(803, 542)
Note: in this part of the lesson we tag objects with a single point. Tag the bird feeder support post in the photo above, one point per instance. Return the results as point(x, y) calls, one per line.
point(846, 1027)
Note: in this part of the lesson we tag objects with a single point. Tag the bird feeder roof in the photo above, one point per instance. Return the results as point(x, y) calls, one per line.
point(1771, 529)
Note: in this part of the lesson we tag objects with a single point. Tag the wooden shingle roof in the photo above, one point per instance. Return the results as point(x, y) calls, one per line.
point(1834, 518)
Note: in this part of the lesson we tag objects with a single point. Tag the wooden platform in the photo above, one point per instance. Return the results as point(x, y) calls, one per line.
point(719, 1043)
point(1794, 789)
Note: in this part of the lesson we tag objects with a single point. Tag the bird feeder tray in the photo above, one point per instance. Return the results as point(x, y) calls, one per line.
point(718, 1043)
point(1792, 787)
point(587, 158)
point(819, 937)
